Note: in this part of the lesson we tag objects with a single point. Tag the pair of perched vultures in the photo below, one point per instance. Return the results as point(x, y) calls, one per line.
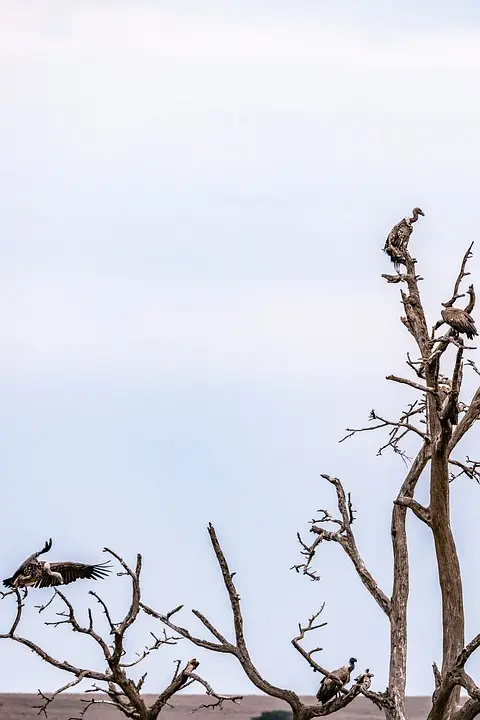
point(39, 574)
point(396, 248)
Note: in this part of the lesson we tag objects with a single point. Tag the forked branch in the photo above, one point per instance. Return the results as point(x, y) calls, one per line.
point(119, 689)
point(239, 649)
point(343, 536)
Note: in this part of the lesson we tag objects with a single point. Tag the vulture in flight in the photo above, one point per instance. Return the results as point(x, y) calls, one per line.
point(329, 688)
point(38, 573)
point(460, 320)
point(398, 237)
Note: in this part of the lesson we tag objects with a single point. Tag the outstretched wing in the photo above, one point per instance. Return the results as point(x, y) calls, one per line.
point(71, 571)
point(34, 556)
point(8, 582)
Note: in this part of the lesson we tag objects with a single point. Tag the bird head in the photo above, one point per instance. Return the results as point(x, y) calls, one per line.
point(352, 662)
point(415, 213)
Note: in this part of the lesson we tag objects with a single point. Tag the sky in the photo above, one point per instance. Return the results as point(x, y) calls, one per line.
point(194, 199)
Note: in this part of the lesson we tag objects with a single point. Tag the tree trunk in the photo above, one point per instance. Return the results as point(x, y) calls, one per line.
point(398, 615)
point(395, 713)
point(448, 568)
point(401, 585)
point(450, 579)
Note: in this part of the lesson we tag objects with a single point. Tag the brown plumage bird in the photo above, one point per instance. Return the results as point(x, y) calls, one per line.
point(398, 237)
point(38, 574)
point(460, 320)
point(329, 688)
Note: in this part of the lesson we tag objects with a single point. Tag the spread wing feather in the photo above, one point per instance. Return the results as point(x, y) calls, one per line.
point(71, 571)
point(34, 556)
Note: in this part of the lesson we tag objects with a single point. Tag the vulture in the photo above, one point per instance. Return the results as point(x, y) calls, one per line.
point(398, 237)
point(460, 320)
point(38, 573)
point(329, 688)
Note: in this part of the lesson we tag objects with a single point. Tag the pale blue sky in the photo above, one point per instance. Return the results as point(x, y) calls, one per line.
point(193, 206)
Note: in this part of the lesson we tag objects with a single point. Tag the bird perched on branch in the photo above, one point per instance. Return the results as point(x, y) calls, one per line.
point(38, 573)
point(329, 688)
point(398, 237)
point(460, 320)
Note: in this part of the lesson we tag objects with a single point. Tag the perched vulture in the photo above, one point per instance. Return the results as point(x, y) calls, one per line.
point(398, 237)
point(38, 574)
point(329, 688)
point(460, 321)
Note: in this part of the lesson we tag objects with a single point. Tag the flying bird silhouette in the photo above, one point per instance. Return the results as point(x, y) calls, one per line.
point(398, 237)
point(39, 573)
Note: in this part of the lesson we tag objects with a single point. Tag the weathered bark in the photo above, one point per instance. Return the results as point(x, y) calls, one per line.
point(449, 575)
point(440, 432)
point(399, 601)
point(439, 411)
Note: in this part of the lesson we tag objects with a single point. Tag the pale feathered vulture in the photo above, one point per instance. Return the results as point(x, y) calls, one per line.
point(398, 237)
point(38, 573)
point(460, 320)
point(329, 688)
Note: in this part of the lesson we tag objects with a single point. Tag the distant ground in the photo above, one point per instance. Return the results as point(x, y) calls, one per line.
point(20, 707)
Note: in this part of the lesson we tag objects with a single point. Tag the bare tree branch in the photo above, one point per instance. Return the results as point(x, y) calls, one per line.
point(406, 381)
point(345, 537)
point(220, 699)
point(399, 429)
point(308, 655)
point(382, 424)
point(470, 468)
point(461, 275)
point(420, 511)
point(239, 649)
point(42, 708)
point(121, 691)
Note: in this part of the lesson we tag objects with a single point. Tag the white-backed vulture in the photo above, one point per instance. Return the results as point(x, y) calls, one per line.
point(398, 237)
point(38, 573)
point(460, 320)
point(329, 688)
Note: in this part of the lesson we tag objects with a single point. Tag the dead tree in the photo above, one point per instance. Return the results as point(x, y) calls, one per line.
point(239, 650)
point(434, 419)
point(438, 420)
point(113, 685)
